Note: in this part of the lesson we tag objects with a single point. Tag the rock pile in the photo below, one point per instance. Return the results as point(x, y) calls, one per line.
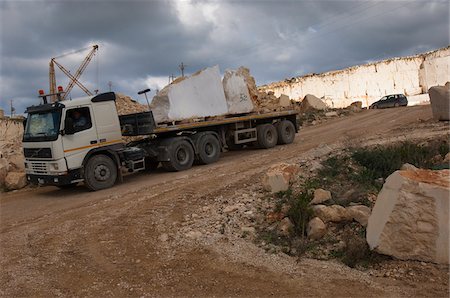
point(410, 219)
point(11, 156)
point(126, 105)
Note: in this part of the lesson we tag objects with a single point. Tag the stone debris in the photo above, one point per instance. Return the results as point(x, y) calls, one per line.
point(15, 180)
point(320, 196)
point(440, 101)
point(316, 229)
point(408, 166)
point(312, 103)
point(410, 219)
point(356, 105)
point(331, 114)
point(199, 95)
point(279, 176)
point(126, 105)
point(285, 227)
point(333, 213)
point(11, 153)
point(359, 213)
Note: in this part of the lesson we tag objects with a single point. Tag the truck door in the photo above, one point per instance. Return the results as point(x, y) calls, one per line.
point(84, 139)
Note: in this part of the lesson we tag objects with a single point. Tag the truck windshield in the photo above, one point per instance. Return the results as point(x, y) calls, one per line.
point(42, 126)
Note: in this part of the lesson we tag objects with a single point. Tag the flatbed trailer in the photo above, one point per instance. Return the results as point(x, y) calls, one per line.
point(57, 152)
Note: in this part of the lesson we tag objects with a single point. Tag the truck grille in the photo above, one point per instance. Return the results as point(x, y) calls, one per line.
point(37, 152)
point(39, 167)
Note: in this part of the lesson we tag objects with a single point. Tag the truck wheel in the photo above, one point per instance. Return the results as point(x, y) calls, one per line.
point(181, 156)
point(286, 132)
point(267, 136)
point(100, 172)
point(208, 149)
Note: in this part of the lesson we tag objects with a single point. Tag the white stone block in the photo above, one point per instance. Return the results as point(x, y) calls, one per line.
point(200, 95)
point(236, 93)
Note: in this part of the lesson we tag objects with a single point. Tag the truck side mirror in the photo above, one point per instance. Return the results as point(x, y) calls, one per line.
point(69, 129)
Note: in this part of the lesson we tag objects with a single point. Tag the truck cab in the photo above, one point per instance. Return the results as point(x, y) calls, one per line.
point(62, 138)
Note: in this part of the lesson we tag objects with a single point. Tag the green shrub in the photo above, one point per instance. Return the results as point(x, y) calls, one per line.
point(300, 211)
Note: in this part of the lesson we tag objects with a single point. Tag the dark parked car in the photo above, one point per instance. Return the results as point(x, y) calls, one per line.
point(388, 101)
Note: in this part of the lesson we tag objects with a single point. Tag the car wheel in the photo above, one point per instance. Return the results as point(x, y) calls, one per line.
point(396, 105)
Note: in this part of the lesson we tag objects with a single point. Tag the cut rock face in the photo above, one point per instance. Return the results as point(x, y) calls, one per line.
point(200, 95)
point(236, 92)
point(410, 219)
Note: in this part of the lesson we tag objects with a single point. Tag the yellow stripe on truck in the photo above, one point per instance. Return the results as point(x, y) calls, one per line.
point(93, 145)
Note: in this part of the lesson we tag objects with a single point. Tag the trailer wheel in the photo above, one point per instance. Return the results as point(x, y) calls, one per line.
point(208, 149)
point(181, 156)
point(100, 172)
point(286, 132)
point(267, 136)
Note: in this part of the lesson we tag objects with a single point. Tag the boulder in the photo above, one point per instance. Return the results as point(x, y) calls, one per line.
point(17, 160)
point(200, 95)
point(410, 219)
point(440, 101)
point(312, 103)
point(331, 114)
point(15, 180)
point(356, 105)
point(4, 168)
point(359, 213)
point(285, 227)
point(408, 166)
point(316, 229)
point(279, 176)
point(237, 92)
point(333, 213)
point(320, 196)
point(284, 101)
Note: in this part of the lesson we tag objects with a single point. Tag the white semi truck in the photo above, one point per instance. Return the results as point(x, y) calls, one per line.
point(80, 140)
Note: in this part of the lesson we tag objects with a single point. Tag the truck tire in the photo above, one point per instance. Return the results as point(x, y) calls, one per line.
point(100, 172)
point(267, 136)
point(286, 132)
point(208, 149)
point(181, 156)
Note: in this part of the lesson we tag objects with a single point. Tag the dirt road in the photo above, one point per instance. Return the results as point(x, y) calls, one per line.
point(156, 233)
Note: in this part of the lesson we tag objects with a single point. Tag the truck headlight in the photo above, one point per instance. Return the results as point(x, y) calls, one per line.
point(53, 166)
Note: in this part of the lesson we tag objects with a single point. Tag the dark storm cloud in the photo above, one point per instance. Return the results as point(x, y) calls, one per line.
point(142, 42)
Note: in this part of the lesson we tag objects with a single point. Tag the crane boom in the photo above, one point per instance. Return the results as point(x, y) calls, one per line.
point(52, 80)
point(79, 84)
point(80, 70)
point(74, 79)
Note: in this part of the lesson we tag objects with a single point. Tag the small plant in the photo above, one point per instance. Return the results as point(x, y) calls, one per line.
point(300, 212)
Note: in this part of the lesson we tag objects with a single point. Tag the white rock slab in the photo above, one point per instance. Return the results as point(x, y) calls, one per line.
point(200, 95)
point(236, 93)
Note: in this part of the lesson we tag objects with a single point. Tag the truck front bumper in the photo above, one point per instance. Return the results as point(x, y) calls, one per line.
point(71, 177)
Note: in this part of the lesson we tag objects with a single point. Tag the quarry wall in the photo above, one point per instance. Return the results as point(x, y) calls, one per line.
point(412, 76)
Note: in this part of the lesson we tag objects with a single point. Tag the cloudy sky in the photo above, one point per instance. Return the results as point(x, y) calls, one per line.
point(141, 43)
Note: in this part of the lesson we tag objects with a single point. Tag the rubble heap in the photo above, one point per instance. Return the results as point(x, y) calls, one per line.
point(126, 105)
point(11, 157)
